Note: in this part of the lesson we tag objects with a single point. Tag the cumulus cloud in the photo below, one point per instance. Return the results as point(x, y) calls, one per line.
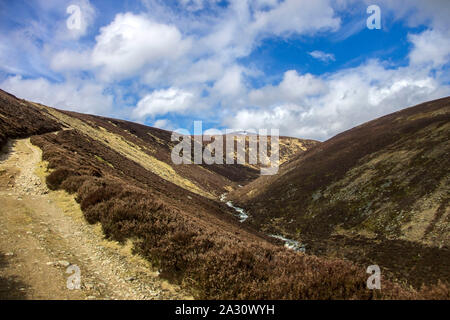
point(347, 98)
point(163, 124)
point(294, 88)
point(189, 55)
point(83, 12)
point(124, 48)
point(197, 51)
point(323, 56)
point(88, 97)
point(230, 84)
point(417, 12)
point(68, 60)
point(319, 107)
point(86, 18)
point(430, 47)
point(161, 102)
point(133, 41)
point(310, 16)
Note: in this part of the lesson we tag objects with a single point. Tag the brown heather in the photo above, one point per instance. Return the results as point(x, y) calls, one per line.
point(214, 263)
point(190, 239)
point(19, 120)
point(375, 194)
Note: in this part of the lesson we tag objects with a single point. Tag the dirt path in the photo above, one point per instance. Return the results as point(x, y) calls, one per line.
point(43, 234)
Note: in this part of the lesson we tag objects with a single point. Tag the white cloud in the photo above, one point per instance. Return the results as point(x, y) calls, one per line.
point(323, 56)
point(264, 4)
point(161, 102)
point(430, 47)
point(195, 51)
point(163, 124)
point(190, 58)
point(417, 12)
point(131, 42)
point(57, 26)
point(321, 106)
point(87, 97)
point(202, 71)
point(192, 5)
point(351, 96)
point(294, 88)
point(87, 17)
point(195, 5)
point(68, 60)
point(295, 16)
point(230, 84)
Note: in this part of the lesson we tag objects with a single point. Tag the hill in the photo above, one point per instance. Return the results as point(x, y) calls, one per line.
point(376, 193)
point(121, 175)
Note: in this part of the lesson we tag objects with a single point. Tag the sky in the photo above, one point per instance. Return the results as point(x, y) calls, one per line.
point(311, 69)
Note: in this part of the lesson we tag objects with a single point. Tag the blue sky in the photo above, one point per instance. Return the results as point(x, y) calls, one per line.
point(309, 68)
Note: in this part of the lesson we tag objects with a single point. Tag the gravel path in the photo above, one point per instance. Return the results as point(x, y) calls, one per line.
point(43, 235)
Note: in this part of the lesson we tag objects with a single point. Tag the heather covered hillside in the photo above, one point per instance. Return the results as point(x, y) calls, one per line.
point(378, 192)
point(18, 118)
point(173, 217)
point(223, 150)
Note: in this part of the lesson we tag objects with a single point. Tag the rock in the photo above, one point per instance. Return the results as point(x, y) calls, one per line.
point(9, 254)
point(89, 286)
point(91, 297)
point(130, 279)
point(64, 263)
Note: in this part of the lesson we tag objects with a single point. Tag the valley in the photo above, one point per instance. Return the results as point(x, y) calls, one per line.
point(107, 189)
point(377, 193)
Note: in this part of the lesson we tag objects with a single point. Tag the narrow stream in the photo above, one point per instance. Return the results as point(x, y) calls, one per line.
point(289, 243)
point(240, 212)
point(242, 215)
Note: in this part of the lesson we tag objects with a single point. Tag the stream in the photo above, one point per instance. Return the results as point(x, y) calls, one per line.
point(289, 243)
point(242, 215)
point(240, 212)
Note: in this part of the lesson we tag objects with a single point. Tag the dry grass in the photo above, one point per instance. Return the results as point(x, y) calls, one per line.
point(196, 243)
point(211, 261)
point(129, 150)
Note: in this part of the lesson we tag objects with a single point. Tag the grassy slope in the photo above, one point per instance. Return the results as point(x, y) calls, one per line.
point(190, 238)
point(385, 179)
point(151, 148)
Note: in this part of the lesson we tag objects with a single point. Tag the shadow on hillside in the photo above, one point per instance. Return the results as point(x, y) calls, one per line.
point(10, 287)
point(406, 261)
point(5, 151)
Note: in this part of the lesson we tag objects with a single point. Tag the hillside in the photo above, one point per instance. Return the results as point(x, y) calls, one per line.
point(376, 193)
point(123, 181)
